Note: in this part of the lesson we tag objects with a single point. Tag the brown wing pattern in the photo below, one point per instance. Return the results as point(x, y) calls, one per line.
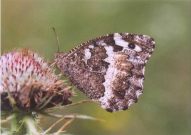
point(109, 69)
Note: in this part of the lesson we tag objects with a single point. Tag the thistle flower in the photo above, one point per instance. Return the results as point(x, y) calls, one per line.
point(30, 82)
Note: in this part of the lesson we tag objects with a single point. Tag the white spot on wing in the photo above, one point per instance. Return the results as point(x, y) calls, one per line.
point(87, 55)
point(137, 48)
point(101, 42)
point(130, 102)
point(110, 54)
point(138, 93)
point(91, 46)
point(140, 82)
point(119, 41)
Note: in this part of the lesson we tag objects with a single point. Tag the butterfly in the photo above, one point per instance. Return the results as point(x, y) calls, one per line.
point(109, 69)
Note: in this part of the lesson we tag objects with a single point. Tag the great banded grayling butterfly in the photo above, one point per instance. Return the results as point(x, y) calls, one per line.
point(109, 69)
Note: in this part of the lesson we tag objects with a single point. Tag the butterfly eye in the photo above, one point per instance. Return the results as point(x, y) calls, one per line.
point(134, 47)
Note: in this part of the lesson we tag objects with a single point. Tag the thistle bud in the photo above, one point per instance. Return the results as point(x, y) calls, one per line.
point(32, 84)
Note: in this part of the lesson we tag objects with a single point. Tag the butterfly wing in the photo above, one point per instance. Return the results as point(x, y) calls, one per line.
point(109, 69)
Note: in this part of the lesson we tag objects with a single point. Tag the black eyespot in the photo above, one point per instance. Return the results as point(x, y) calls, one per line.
point(131, 46)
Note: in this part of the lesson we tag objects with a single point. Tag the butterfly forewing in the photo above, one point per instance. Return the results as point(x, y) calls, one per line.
point(109, 69)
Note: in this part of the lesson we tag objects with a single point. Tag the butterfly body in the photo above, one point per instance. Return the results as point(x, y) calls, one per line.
point(109, 69)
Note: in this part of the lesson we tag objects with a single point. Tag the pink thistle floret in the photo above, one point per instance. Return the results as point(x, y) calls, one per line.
point(30, 81)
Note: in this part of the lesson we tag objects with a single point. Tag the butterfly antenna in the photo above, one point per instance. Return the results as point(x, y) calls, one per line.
point(57, 39)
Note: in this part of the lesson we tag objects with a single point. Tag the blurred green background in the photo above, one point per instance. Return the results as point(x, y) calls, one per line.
point(164, 108)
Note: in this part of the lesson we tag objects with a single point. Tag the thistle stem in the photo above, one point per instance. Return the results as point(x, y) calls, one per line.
point(23, 123)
